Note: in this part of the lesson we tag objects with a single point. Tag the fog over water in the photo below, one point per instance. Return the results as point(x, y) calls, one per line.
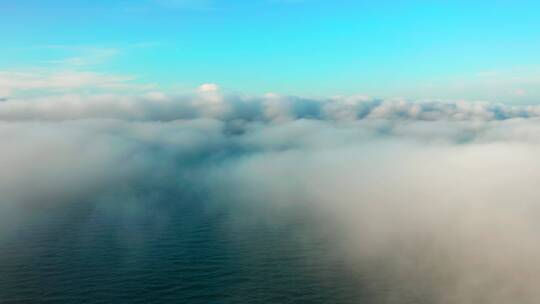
point(235, 199)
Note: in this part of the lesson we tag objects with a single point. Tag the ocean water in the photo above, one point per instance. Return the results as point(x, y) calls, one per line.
point(168, 251)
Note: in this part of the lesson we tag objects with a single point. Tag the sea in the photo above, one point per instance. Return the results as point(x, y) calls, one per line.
point(173, 250)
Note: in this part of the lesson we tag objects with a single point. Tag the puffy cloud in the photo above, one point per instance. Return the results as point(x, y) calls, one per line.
point(208, 87)
point(210, 101)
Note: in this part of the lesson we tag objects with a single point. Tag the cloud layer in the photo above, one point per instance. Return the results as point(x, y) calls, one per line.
point(438, 200)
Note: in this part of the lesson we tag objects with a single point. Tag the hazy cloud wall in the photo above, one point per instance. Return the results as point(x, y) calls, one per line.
point(440, 199)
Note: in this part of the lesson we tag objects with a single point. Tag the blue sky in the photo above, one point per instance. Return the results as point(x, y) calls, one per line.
point(486, 50)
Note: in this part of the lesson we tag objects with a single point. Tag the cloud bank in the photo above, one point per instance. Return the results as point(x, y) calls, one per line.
point(437, 199)
point(209, 102)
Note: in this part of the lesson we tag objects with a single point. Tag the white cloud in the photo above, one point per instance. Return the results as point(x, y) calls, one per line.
point(520, 92)
point(208, 87)
point(89, 56)
point(45, 80)
point(491, 85)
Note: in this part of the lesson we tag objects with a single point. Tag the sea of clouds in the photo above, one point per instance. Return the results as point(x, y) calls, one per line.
point(442, 197)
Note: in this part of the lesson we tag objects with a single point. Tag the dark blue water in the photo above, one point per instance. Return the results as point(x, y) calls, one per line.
point(167, 251)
